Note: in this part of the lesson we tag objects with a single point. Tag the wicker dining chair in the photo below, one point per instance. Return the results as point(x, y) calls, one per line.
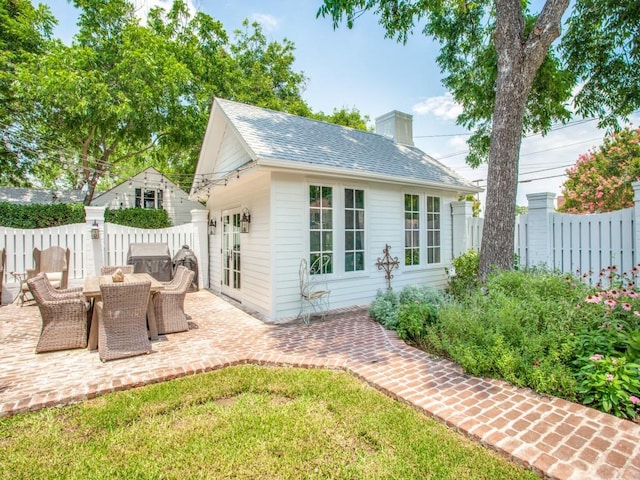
point(122, 320)
point(110, 269)
point(64, 317)
point(168, 303)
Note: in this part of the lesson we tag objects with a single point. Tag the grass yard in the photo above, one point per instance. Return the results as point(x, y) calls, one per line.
point(244, 422)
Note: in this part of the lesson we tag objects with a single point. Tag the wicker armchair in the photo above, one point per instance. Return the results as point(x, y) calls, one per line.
point(122, 319)
point(54, 261)
point(168, 303)
point(64, 317)
point(110, 269)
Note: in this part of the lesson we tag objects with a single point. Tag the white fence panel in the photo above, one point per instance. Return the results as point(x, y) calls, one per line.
point(591, 243)
point(119, 237)
point(20, 243)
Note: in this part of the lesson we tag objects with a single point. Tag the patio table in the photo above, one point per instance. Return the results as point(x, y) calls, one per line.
point(91, 290)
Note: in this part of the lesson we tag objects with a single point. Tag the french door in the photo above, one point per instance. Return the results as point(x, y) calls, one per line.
point(231, 279)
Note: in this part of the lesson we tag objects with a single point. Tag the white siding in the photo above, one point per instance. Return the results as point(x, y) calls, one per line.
point(384, 223)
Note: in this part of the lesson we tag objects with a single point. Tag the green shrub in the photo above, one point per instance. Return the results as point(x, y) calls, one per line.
point(40, 216)
point(138, 217)
point(464, 280)
point(384, 308)
point(520, 330)
point(413, 320)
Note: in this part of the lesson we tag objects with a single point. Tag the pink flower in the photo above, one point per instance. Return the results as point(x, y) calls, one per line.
point(632, 294)
point(635, 400)
point(596, 357)
point(609, 377)
point(610, 303)
point(626, 306)
point(636, 313)
point(593, 299)
point(613, 294)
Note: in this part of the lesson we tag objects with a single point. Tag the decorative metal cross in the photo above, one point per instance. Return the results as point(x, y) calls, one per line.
point(387, 263)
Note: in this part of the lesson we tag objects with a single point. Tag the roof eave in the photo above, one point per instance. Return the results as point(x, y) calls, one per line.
point(291, 166)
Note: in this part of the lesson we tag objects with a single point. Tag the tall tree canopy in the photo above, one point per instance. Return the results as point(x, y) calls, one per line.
point(600, 181)
point(124, 96)
point(24, 31)
point(501, 64)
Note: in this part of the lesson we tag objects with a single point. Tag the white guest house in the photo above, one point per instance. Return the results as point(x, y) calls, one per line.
point(281, 188)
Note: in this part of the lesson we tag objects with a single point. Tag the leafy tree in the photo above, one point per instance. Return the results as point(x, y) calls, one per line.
point(502, 66)
point(600, 181)
point(125, 95)
point(345, 117)
point(24, 31)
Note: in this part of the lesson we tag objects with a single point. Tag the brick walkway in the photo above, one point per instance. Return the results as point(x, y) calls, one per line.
point(557, 439)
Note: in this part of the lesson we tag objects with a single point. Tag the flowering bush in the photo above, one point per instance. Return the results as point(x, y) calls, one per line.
point(608, 354)
point(611, 384)
point(600, 181)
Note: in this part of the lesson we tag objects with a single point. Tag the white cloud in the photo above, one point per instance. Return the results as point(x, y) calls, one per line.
point(443, 106)
point(269, 22)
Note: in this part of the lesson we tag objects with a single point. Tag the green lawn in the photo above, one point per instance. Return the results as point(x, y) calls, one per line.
point(244, 422)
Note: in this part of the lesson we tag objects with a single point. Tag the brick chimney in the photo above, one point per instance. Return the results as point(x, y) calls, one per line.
point(396, 125)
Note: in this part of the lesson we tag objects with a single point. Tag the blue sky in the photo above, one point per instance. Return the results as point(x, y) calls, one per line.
point(361, 68)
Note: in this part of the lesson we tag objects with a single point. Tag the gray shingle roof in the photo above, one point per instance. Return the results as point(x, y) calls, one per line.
point(281, 136)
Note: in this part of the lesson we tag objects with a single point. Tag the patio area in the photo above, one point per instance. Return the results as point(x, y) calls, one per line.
point(558, 439)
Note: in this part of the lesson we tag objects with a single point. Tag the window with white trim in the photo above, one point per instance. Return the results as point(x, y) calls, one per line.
point(433, 229)
point(321, 224)
point(411, 229)
point(149, 198)
point(353, 230)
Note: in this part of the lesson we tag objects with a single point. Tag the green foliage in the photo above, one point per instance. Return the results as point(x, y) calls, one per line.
point(600, 181)
point(388, 306)
point(464, 279)
point(138, 217)
point(520, 329)
point(24, 32)
point(384, 308)
point(413, 320)
point(345, 117)
point(125, 95)
point(601, 49)
point(40, 216)
point(611, 384)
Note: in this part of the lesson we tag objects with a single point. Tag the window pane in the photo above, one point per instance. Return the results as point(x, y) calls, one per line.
point(359, 261)
point(349, 242)
point(314, 218)
point(349, 263)
point(314, 241)
point(359, 241)
point(327, 219)
point(359, 198)
point(348, 198)
point(349, 221)
point(327, 197)
point(314, 196)
point(416, 238)
point(359, 220)
point(327, 241)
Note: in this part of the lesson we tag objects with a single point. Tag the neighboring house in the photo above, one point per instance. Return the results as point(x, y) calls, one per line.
point(314, 188)
point(150, 189)
point(40, 196)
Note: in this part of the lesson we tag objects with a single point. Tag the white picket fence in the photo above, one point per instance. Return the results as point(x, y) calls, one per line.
point(89, 254)
point(576, 244)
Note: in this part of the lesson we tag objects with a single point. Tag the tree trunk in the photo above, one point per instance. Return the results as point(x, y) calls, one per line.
point(519, 58)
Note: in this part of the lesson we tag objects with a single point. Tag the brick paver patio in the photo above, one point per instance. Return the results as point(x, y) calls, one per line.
point(557, 439)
